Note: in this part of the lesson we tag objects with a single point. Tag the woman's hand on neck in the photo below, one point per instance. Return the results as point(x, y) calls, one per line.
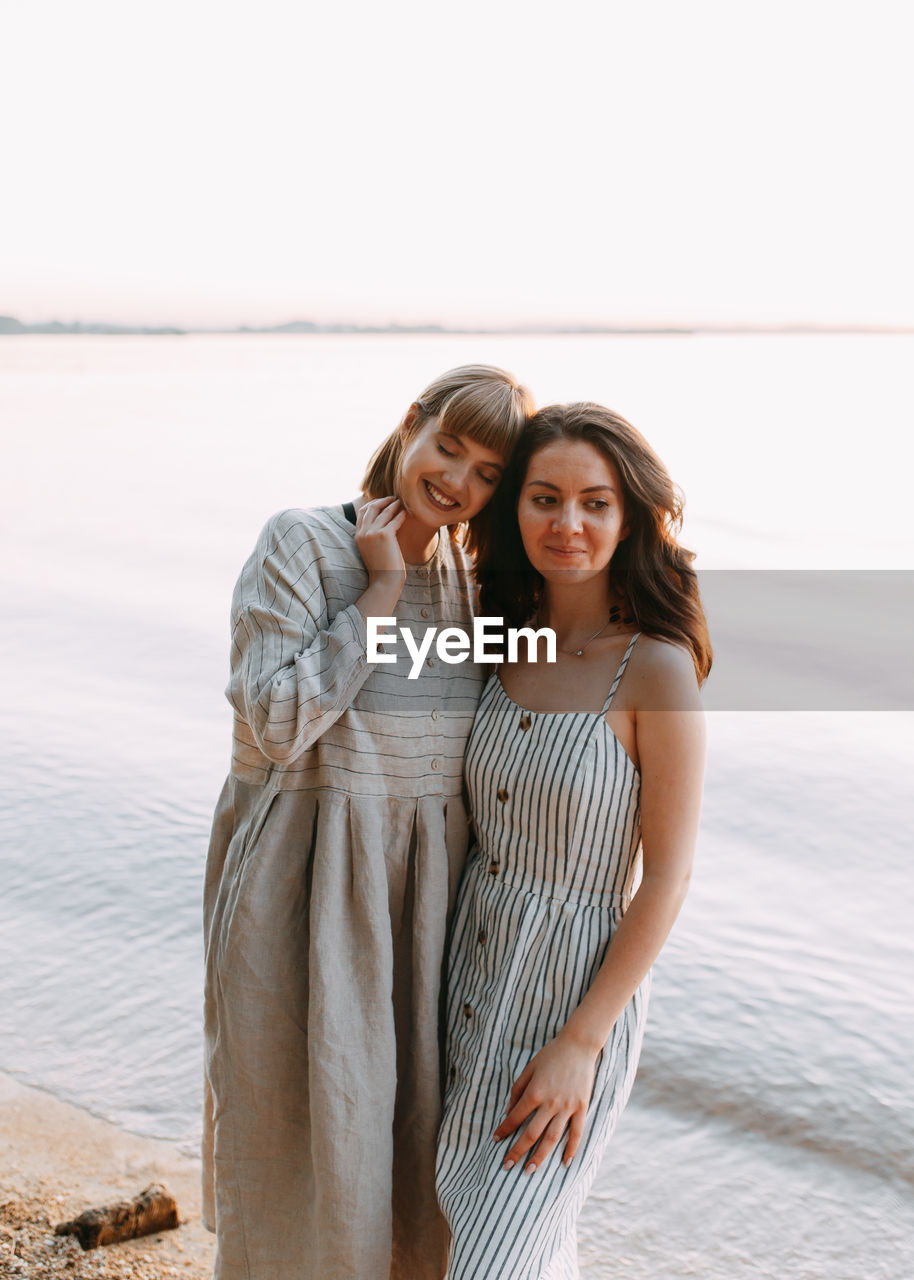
point(417, 541)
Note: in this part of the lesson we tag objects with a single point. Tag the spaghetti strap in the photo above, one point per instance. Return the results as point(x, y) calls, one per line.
point(619, 674)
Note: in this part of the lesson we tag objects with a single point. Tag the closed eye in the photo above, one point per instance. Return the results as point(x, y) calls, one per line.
point(447, 453)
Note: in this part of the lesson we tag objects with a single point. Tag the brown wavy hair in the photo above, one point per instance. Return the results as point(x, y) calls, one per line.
point(649, 567)
point(480, 401)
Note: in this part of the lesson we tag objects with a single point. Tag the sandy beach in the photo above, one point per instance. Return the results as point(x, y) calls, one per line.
point(56, 1161)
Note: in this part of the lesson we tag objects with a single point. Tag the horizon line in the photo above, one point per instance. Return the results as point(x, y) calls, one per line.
point(12, 327)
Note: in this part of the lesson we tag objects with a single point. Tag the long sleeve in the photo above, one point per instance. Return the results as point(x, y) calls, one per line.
point(295, 670)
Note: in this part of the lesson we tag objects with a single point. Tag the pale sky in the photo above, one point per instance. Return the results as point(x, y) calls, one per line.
point(201, 162)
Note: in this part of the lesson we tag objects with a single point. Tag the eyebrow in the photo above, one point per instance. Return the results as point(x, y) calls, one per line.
point(594, 488)
point(459, 440)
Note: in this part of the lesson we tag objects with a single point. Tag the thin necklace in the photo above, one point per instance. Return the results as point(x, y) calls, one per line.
point(615, 615)
point(577, 653)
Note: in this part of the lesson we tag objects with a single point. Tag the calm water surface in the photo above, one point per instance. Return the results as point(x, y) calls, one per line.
point(771, 1130)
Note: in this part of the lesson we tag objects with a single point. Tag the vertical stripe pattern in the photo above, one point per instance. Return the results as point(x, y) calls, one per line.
point(555, 801)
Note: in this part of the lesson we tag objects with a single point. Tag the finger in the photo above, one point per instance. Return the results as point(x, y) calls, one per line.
point(574, 1137)
point(520, 1085)
point(391, 508)
point(532, 1134)
point(366, 510)
point(553, 1131)
point(517, 1116)
point(378, 511)
point(508, 1125)
point(521, 1111)
point(369, 510)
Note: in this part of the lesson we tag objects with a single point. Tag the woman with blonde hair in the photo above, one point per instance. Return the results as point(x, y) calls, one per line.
point(336, 848)
point(572, 767)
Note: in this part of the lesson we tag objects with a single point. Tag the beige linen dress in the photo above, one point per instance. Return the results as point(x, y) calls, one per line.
point(336, 849)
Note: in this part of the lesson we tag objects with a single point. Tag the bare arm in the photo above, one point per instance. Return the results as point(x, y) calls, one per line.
point(671, 747)
point(558, 1082)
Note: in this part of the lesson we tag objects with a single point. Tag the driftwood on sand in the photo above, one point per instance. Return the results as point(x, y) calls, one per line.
point(152, 1210)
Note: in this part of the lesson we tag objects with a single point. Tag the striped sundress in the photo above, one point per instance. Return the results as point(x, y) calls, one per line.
point(556, 805)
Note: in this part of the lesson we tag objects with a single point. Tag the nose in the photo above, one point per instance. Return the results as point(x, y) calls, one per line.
point(456, 474)
point(566, 519)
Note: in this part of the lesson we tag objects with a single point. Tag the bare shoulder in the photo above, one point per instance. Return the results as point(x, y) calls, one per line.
point(662, 677)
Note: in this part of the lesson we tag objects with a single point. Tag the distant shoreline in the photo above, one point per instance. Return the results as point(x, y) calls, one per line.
point(11, 327)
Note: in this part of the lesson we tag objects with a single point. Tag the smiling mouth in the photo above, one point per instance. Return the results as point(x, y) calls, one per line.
point(566, 551)
point(440, 499)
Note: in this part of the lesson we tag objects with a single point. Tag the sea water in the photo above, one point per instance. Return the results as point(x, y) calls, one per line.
point(771, 1128)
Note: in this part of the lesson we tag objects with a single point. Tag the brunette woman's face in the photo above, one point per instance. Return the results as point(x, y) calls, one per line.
point(446, 479)
point(570, 511)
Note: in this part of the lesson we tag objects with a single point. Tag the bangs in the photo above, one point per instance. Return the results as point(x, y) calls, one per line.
point(491, 414)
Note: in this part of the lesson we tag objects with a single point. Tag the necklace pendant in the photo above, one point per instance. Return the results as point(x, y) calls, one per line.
point(578, 653)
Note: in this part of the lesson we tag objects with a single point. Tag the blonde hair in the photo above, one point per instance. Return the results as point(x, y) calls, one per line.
point(479, 401)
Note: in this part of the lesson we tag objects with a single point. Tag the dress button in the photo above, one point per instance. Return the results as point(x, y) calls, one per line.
point(503, 794)
point(424, 613)
point(468, 1011)
point(525, 721)
point(481, 935)
point(436, 763)
point(493, 868)
point(436, 714)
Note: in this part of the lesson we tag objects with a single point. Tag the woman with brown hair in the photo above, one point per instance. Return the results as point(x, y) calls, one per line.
point(336, 848)
point(572, 766)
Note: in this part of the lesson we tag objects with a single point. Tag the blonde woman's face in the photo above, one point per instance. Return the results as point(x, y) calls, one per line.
point(446, 479)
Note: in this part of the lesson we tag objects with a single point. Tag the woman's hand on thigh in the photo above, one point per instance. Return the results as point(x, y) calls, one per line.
point(551, 1094)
